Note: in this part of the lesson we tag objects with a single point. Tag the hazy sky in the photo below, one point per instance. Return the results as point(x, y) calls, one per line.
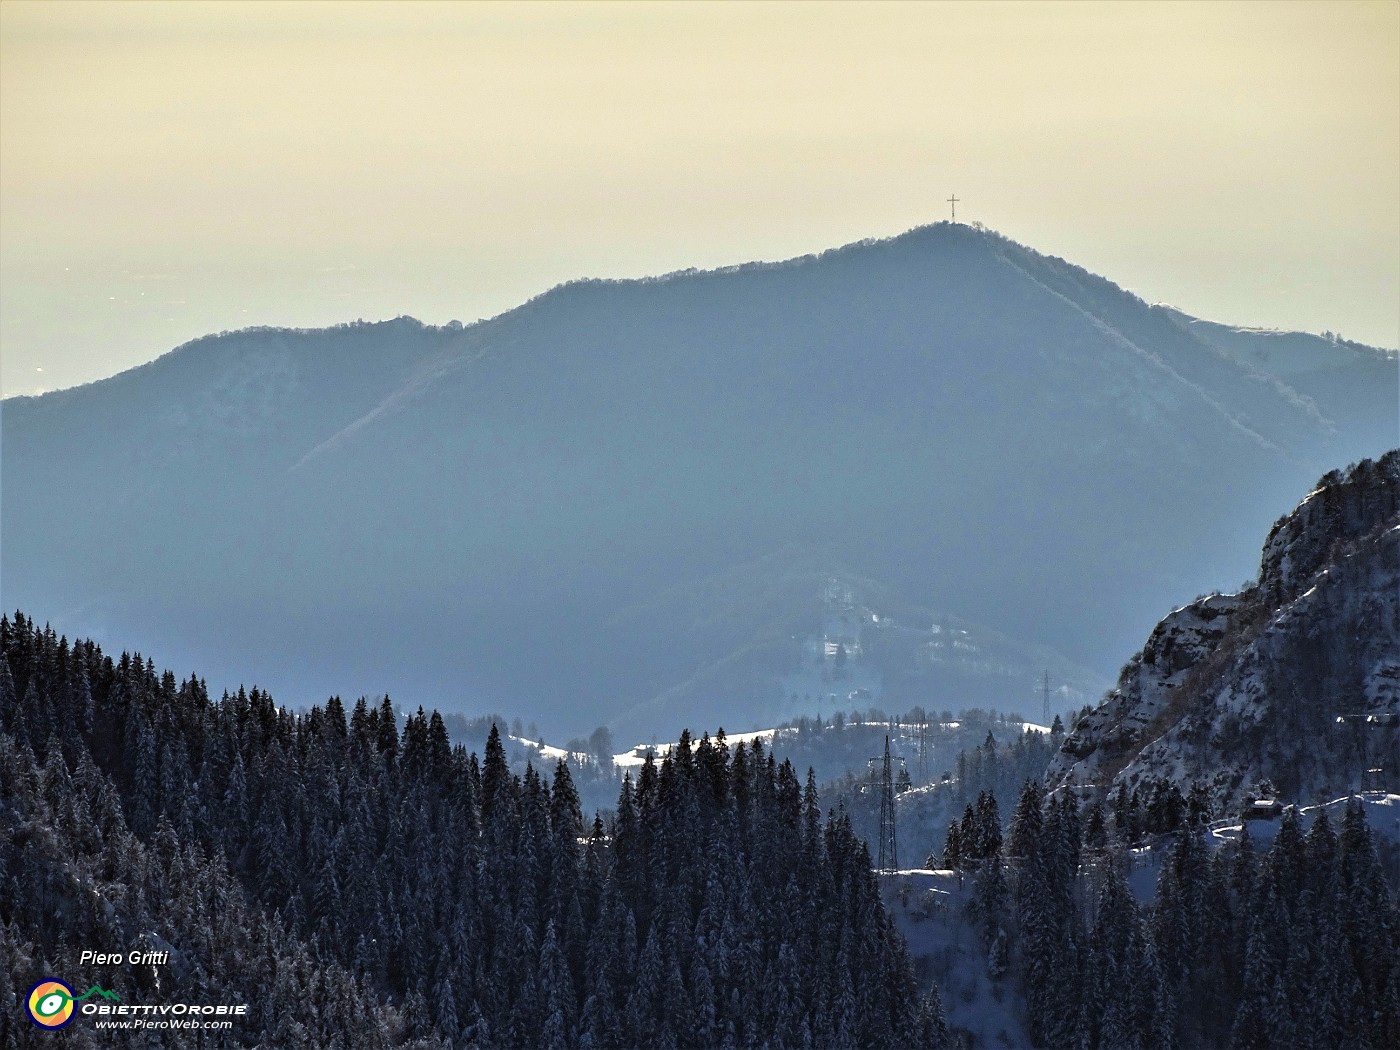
point(172, 170)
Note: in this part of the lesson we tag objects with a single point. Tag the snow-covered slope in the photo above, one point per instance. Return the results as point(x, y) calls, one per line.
point(1289, 686)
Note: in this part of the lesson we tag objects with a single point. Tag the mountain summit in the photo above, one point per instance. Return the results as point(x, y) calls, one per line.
point(465, 515)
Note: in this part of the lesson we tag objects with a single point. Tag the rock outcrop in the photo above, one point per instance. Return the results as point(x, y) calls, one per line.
point(1291, 685)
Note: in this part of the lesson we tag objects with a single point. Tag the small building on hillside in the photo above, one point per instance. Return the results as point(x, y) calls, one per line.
point(1262, 809)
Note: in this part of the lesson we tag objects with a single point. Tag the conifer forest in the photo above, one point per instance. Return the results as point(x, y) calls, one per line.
point(430, 897)
point(696, 525)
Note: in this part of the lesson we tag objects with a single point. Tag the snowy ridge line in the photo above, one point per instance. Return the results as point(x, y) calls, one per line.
point(636, 756)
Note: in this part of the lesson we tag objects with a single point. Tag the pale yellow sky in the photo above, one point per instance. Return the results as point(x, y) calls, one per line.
point(171, 170)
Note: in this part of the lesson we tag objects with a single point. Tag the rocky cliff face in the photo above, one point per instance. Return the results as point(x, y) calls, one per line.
point(1270, 689)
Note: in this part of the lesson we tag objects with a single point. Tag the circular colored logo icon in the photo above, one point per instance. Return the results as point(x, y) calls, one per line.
point(50, 1004)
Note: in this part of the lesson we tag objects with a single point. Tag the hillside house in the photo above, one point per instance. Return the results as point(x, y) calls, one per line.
point(1262, 809)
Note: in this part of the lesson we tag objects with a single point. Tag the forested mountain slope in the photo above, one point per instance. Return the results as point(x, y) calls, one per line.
point(1078, 929)
point(361, 887)
point(474, 513)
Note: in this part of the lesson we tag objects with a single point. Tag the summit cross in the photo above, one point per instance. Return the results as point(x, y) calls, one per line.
point(953, 200)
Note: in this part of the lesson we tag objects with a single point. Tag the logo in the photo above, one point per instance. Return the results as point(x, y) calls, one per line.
point(50, 1002)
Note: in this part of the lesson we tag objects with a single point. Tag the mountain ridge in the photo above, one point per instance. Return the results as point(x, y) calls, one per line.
point(758, 266)
point(948, 413)
point(1274, 687)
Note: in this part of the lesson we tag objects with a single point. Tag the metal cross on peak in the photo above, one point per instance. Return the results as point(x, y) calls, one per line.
point(953, 200)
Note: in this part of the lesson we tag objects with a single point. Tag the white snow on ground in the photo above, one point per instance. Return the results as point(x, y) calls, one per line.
point(927, 905)
point(635, 757)
point(638, 755)
point(546, 750)
point(1382, 815)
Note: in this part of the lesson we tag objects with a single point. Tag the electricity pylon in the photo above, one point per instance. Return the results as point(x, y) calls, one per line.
point(889, 851)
